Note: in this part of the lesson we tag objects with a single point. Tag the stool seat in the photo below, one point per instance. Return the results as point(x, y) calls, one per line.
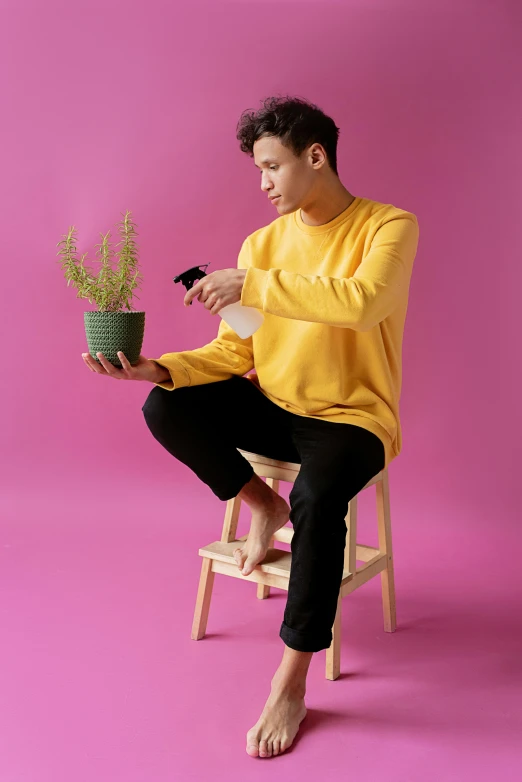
point(274, 570)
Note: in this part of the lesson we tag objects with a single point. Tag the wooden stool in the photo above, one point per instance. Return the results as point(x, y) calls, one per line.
point(274, 570)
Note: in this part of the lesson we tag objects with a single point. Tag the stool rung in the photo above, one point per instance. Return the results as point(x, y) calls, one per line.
point(285, 534)
point(370, 569)
point(277, 562)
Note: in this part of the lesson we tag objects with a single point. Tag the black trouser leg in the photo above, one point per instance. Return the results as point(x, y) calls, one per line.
point(337, 461)
point(203, 426)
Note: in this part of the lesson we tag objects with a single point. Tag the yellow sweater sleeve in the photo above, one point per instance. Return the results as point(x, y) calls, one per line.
point(224, 356)
point(359, 302)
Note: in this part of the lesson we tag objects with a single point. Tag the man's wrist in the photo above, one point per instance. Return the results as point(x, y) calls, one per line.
point(162, 374)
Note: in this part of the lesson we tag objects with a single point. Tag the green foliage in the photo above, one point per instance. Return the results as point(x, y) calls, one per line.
point(110, 290)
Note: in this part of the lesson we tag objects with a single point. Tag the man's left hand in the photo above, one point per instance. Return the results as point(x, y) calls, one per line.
point(218, 289)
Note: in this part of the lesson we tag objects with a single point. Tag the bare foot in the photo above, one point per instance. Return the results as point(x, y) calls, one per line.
point(278, 724)
point(263, 525)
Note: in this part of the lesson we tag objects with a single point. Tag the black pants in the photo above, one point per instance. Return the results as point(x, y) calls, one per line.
point(203, 426)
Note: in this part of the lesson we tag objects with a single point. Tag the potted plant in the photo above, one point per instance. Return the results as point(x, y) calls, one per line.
point(109, 328)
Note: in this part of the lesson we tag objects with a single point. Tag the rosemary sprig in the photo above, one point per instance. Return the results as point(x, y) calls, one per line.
point(111, 290)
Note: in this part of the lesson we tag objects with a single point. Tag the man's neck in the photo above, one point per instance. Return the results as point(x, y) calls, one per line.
point(327, 208)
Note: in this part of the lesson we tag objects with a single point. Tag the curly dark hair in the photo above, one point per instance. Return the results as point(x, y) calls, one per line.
point(296, 122)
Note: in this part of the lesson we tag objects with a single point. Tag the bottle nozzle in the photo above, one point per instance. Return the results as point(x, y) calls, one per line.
point(189, 277)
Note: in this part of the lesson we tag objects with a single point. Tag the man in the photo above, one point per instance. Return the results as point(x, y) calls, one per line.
point(331, 275)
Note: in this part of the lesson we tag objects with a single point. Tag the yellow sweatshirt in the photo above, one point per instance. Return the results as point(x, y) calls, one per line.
point(334, 299)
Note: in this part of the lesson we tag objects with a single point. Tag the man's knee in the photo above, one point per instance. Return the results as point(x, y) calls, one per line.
point(154, 405)
point(162, 408)
point(319, 508)
point(315, 494)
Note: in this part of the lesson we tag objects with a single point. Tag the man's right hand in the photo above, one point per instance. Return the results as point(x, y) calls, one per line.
point(145, 369)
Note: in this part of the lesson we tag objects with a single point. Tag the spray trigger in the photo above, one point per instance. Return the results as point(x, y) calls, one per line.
point(189, 277)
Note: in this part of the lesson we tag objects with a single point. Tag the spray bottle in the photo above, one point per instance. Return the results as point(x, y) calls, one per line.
point(244, 320)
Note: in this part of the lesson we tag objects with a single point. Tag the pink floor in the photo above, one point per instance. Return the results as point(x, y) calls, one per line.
point(100, 679)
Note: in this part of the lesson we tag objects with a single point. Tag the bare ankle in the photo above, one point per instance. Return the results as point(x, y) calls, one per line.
point(295, 688)
point(257, 494)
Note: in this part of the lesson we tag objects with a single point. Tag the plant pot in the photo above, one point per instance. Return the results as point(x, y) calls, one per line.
point(108, 332)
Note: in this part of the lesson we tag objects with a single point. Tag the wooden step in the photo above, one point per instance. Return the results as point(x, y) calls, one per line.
point(274, 570)
point(276, 561)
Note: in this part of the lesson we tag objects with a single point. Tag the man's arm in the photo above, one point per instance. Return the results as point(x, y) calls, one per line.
point(358, 302)
point(224, 356)
point(163, 373)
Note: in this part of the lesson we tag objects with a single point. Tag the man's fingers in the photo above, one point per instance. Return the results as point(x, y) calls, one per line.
point(124, 361)
point(91, 363)
point(106, 367)
point(105, 364)
point(193, 292)
point(111, 370)
point(213, 304)
point(86, 360)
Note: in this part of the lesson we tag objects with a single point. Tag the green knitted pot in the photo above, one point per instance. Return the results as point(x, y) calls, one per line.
point(109, 332)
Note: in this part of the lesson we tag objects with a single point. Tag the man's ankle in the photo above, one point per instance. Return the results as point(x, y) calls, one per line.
point(294, 688)
point(294, 684)
point(256, 493)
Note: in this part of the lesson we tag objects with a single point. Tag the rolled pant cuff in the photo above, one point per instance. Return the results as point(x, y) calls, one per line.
point(302, 642)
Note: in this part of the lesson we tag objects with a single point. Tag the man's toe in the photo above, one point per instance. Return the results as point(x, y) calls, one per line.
point(252, 748)
point(248, 567)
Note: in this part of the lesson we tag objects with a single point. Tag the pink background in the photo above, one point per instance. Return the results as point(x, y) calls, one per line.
point(133, 106)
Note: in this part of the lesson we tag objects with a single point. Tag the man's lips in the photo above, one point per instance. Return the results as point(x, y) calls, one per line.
point(272, 198)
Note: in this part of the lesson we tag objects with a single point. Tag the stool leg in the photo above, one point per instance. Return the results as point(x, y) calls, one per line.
point(333, 653)
point(206, 582)
point(350, 551)
point(385, 545)
point(263, 590)
point(232, 510)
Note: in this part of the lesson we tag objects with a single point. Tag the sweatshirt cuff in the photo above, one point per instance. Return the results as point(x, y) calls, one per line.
point(178, 374)
point(254, 288)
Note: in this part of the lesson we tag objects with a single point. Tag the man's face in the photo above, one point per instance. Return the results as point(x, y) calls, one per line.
point(283, 174)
